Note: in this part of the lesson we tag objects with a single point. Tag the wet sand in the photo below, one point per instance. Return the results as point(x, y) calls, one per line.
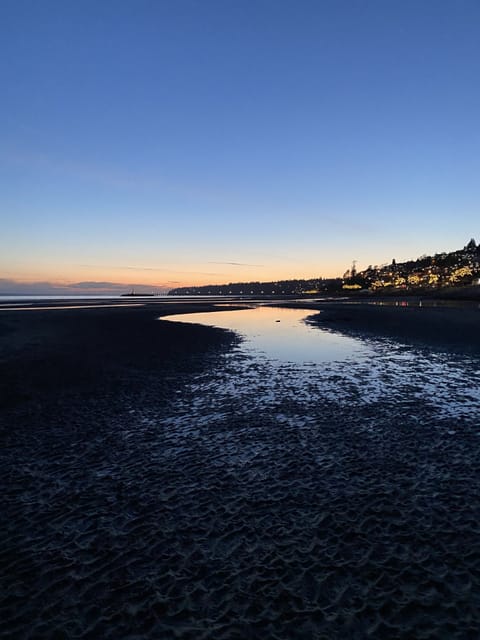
point(449, 328)
point(57, 351)
point(135, 507)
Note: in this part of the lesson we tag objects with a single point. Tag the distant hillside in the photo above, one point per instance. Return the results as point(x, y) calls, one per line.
point(457, 268)
point(461, 267)
point(280, 287)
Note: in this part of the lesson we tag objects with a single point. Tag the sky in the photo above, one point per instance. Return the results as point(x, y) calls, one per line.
point(160, 144)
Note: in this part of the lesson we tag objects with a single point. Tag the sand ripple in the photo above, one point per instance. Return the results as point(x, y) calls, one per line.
point(261, 501)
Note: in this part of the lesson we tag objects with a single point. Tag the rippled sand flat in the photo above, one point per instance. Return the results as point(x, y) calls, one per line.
point(258, 499)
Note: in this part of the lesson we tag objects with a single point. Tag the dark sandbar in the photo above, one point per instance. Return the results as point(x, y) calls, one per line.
point(444, 327)
point(58, 351)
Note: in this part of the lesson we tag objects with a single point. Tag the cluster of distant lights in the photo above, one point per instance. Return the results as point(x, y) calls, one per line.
point(428, 277)
point(424, 277)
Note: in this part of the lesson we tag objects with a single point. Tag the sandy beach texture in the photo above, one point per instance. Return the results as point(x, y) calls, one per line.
point(136, 505)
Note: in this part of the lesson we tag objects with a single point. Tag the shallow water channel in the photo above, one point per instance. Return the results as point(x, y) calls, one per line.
point(288, 366)
point(281, 334)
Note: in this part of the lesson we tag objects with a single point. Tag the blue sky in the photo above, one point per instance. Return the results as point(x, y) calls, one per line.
point(168, 143)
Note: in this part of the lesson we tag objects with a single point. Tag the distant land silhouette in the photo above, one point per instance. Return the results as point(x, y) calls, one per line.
point(459, 268)
point(137, 294)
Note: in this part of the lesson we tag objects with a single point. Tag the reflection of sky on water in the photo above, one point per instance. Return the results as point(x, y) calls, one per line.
point(287, 363)
point(281, 334)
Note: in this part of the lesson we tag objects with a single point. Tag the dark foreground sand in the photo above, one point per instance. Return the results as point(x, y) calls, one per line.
point(50, 353)
point(113, 527)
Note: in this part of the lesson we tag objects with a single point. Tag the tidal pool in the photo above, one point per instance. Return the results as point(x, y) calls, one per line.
point(281, 334)
point(288, 367)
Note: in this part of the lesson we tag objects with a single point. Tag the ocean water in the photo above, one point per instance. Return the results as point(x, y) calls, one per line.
point(17, 302)
point(33, 298)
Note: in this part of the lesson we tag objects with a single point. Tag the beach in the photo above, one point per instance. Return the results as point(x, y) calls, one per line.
point(52, 352)
point(157, 483)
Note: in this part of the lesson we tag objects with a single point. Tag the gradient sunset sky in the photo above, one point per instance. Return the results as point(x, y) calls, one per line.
point(168, 143)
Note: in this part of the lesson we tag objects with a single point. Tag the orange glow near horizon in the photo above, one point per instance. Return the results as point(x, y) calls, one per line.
point(105, 277)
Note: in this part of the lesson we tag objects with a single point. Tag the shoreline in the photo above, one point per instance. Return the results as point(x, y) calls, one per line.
point(60, 350)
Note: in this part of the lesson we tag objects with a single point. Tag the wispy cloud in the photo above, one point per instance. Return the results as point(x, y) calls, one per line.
point(120, 267)
point(238, 264)
point(116, 176)
point(110, 176)
point(91, 284)
point(157, 269)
